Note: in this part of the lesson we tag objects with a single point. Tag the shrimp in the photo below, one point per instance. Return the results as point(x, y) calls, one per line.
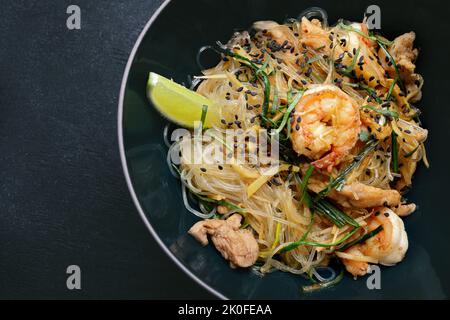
point(368, 66)
point(326, 126)
point(313, 35)
point(388, 247)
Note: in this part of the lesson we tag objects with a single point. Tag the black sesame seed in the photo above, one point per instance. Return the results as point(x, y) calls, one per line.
point(203, 169)
point(386, 214)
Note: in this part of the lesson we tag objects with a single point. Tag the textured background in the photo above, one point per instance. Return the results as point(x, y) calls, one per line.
point(63, 197)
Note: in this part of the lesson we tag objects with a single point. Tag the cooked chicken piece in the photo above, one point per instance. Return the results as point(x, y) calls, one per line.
point(404, 53)
point(358, 195)
point(236, 245)
point(388, 247)
point(405, 56)
point(405, 209)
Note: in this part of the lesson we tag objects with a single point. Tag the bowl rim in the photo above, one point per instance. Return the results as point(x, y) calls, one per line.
point(125, 163)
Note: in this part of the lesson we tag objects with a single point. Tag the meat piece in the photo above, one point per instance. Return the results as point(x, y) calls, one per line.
point(405, 56)
point(236, 245)
point(358, 195)
point(404, 53)
point(405, 209)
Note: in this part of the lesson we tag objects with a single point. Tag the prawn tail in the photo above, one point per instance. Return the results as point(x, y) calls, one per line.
point(329, 161)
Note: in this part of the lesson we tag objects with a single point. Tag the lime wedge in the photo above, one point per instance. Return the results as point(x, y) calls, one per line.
point(179, 104)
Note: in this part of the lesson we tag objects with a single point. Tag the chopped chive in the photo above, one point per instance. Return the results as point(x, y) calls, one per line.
point(259, 72)
point(386, 52)
point(384, 112)
point(351, 66)
point(286, 115)
point(224, 203)
point(288, 133)
point(325, 208)
point(338, 182)
point(304, 184)
point(391, 88)
point(275, 102)
point(204, 112)
point(313, 59)
point(370, 37)
point(394, 152)
point(409, 154)
point(362, 238)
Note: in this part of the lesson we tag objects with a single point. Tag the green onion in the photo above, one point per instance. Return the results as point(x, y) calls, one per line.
point(288, 133)
point(371, 92)
point(264, 66)
point(275, 101)
point(384, 112)
point(325, 208)
point(362, 238)
point(362, 34)
point(258, 72)
point(409, 154)
point(313, 59)
point(350, 67)
point(381, 39)
point(394, 63)
point(286, 115)
point(338, 217)
point(303, 238)
point(204, 112)
point(224, 203)
point(391, 88)
point(394, 152)
point(338, 182)
point(323, 285)
point(304, 184)
point(305, 196)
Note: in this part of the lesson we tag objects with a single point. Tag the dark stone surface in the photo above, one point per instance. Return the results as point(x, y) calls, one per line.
point(63, 197)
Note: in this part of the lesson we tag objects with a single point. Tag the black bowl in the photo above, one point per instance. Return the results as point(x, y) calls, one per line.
point(168, 45)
